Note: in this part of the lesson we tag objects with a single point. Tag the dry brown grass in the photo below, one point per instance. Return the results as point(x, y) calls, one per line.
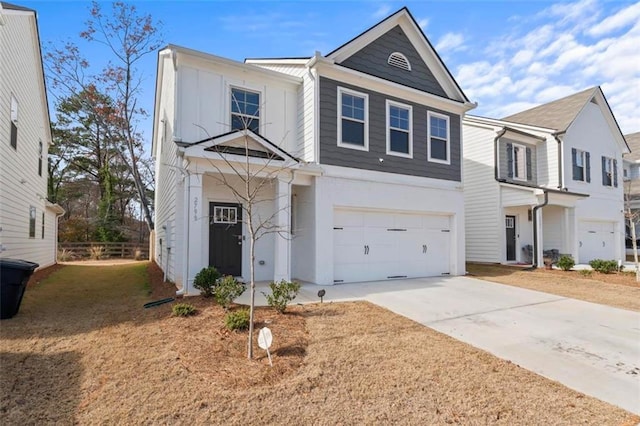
point(619, 290)
point(77, 358)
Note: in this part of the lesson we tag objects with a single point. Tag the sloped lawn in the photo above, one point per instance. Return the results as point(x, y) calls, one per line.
point(83, 350)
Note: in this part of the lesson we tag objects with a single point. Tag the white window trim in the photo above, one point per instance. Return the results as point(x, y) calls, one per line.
point(341, 144)
point(581, 155)
point(246, 88)
point(14, 109)
point(609, 162)
point(513, 159)
point(445, 117)
point(389, 104)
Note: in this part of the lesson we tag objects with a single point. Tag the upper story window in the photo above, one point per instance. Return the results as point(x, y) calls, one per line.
point(32, 222)
point(40, 149)
point(353, 114)
point(399, 135)
point(581, 167)
point(245, 110)
point(519, 162)
point(398, 60)
point(14, 122)
point(609, 172)
point(438, 145)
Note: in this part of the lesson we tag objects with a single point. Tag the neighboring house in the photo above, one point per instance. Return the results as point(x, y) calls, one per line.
point(549, 178)
point(631, 176)
point(28, 222)
point(368, 139)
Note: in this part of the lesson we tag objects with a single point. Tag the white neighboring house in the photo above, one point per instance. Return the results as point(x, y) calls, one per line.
point(369, 141)
point(28, 222)
point(631, 176)
point(549, 178)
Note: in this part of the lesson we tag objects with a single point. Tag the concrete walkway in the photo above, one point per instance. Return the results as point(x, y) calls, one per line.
point(591, 348)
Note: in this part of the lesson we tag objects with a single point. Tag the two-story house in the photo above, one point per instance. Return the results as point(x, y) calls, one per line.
point(548, 179)
point(28, 221)
point(358, 154)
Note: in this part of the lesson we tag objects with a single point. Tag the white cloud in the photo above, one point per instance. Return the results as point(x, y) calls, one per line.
point(423, 23)
point(450, 42)
point(615, 22)
point(382, 11)
point(555, 53)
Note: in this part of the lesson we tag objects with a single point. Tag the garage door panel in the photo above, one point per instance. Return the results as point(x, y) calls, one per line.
point(596, 241)
point(389, 245)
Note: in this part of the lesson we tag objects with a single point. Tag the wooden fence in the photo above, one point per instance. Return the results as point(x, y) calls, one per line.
point(98, 250)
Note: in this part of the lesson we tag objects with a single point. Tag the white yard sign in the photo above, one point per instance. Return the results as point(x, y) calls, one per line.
point(264, 341)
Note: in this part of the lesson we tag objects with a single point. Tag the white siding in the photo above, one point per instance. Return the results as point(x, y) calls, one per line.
point(291, 69)
point(590, 132)
point(303, 241)
point(204, 100)
point(553, 229)
point(168, 180)
point(20, 184)
point(517, 197)
point(481, 196)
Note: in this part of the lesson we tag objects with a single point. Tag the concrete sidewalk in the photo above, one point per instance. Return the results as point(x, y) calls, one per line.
point(594, 349)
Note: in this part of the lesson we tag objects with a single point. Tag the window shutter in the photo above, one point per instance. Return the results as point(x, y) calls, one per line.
point(587, 166)
point(509, 160)
point(574, 163)
point(529, 174)
point(604, 171)
point(615, 173)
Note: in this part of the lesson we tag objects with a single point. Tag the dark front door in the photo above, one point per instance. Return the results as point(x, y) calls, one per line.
point(510, 226)
point(225, 238)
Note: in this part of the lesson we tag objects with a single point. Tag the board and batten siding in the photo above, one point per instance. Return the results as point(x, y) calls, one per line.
point(332, 154)
point(20, 185)
point(483, 215)
point(373, 60)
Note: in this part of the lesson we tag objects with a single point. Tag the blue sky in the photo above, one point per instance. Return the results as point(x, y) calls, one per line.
point(506, 55)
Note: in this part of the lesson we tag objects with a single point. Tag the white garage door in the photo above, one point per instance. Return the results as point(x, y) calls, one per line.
point(597, 241)
point(370, 246)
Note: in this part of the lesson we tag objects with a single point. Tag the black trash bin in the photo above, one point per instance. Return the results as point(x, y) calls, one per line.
point(14, 275)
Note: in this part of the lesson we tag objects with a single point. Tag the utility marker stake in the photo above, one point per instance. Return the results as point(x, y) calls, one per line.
point(264, 341)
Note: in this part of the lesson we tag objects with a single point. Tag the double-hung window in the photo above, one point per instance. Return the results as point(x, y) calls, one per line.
point(438, 145)
point(519, 162)
point(580, 165)
point(399, 135)
point(245, 110)
point(609, 172)
point(353, 113)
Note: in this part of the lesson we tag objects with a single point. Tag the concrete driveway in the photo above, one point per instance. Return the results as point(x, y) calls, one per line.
point(588, 347)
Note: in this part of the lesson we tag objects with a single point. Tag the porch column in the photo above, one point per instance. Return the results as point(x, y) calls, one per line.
point(197, 216)
point(282, 240)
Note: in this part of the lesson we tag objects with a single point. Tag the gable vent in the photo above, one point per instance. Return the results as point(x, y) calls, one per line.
point(397, 59)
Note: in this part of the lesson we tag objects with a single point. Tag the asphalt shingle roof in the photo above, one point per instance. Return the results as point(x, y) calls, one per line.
point(558, 114)
point(633, 140)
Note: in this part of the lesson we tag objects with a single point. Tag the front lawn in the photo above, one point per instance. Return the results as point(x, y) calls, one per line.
point(83, 350)
point(619, 290)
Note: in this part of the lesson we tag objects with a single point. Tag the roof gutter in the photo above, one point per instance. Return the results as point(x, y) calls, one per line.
point(535, 227)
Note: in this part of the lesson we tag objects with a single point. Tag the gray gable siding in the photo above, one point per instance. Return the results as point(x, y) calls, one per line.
point(332, 154)
point(504, 166)
point(372, 59)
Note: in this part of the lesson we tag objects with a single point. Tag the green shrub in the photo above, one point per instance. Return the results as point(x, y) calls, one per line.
point(604, 266)
point(227, 290)
point(565, 262)
point(586, 272)
point(281, 294)
point(237, 320)
point(206, 280)
point(183, 310)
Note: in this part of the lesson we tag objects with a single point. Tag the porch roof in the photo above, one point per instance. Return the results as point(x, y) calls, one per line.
point(526, 186)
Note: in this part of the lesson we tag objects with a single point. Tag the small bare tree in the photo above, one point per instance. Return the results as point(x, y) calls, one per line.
point(248, 178)
point(632, 216)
